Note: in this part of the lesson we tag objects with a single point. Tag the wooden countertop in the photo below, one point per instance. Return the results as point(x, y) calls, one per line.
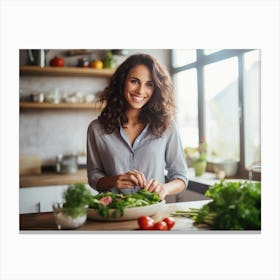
point(53, 179)
point(45, 221)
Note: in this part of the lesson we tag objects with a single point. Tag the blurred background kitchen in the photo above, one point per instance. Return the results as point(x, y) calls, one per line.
point(218, 113)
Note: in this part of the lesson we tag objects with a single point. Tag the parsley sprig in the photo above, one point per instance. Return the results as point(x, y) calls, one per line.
point(77, 198)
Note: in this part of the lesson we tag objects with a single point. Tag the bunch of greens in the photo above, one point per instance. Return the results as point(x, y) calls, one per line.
point(234, 206)
point(103, 202)
point(76, 200)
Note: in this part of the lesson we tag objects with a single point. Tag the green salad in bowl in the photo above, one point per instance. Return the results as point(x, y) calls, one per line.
point(115, 206)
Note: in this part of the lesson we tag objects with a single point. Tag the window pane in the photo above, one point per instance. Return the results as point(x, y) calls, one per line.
point(185, 85)
point(183, 57)
point(252, 110)
point(210, 51)
point(222, 117)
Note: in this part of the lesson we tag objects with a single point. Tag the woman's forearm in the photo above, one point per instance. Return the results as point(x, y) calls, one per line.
point(175, 186)
point(105, 183)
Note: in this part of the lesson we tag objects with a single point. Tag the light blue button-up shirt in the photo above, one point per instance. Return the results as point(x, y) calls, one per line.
point(161, 158)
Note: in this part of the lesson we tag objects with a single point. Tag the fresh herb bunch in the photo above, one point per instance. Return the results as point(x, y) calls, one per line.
point(77, 198)
point(234, 206)
point(103, 202)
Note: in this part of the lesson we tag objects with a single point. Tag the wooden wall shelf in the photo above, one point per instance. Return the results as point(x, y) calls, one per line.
point(65, 71)
point(88, 106)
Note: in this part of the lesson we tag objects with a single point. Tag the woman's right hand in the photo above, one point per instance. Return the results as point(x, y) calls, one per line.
point(130, 179)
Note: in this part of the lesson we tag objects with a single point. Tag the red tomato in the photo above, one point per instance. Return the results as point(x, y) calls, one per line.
point(57, 61)
point(145, 222)
point(161, 225)
point(170, 222)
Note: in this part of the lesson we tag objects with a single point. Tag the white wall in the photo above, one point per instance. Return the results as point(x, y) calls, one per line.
point(47, 133)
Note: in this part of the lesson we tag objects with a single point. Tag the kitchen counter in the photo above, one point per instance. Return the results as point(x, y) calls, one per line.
point(52, 178)
point(45, 221)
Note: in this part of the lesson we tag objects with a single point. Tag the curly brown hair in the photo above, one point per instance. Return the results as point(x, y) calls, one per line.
point(159, 111)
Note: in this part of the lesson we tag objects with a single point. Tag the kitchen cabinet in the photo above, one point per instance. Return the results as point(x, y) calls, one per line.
point(40, 199)
point(37, 192)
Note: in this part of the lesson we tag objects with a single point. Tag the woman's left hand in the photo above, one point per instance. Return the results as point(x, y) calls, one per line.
point(155, 186)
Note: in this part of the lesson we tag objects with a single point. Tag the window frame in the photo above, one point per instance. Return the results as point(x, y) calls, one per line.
point(201, 61)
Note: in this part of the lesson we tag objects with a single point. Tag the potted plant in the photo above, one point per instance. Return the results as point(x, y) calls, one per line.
point(197, 158)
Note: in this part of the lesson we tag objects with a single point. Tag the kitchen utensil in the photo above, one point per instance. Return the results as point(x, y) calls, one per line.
point(67, 163)
point(37, 57)
point(53, 96)
point(253, 167)
point(38, 97)
point(83, 62)
point(57, 62)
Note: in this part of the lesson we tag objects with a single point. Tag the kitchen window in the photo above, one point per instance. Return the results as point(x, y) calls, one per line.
point(218, 99)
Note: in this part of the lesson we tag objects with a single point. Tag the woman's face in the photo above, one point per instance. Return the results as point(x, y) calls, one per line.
point(138, 87)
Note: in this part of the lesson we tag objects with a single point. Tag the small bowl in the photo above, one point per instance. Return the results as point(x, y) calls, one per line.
point(230, 167)
point(69, 218)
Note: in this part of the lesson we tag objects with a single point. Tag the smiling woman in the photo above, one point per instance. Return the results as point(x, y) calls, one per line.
point(138, 87)
point(159, 111)
point(138, 90)
point(135, 138)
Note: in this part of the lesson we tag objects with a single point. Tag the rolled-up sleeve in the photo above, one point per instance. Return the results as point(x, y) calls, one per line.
point(95, 169)
point(176, 165)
